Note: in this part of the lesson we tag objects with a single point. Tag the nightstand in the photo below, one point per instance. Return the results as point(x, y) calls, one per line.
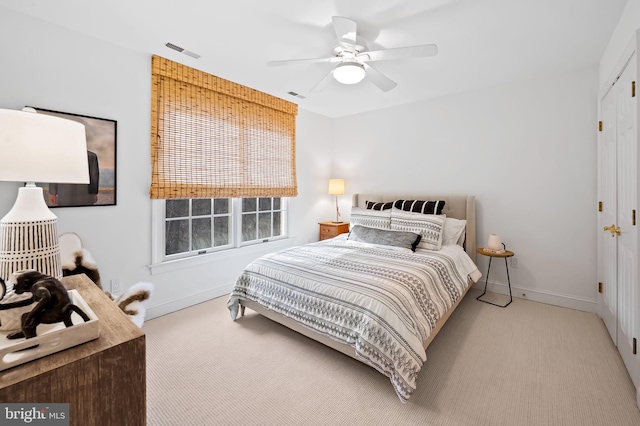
point(332, 229)
point(491, 255)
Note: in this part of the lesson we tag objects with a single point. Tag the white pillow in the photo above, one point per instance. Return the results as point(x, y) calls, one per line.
point(380, 219)
point(429, 226)
point(454, 231)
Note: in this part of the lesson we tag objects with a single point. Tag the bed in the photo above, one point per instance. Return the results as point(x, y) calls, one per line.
point(381, 305)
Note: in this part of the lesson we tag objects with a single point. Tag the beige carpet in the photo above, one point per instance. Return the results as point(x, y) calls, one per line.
point(527, 364)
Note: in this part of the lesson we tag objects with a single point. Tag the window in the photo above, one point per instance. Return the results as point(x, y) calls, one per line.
point(192, 227)
point(261, 218)
point(196, 226)
point(223, 161)
point(212, 138)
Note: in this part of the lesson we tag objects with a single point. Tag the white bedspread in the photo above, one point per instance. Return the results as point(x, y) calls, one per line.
point(382, 302)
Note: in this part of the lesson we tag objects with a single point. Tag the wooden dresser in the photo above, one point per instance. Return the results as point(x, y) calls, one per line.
point(103, 381)
point(332, 229)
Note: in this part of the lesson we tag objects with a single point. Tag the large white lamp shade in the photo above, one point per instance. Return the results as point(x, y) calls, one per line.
point(36, 148)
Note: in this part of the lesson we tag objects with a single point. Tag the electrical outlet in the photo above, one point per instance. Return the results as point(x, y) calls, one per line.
point(514, 262)
point(115, 286)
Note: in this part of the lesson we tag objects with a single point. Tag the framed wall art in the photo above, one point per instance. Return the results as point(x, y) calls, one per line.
point(101, 158)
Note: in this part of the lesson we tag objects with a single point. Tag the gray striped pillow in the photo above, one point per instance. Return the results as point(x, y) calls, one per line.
point(429, 226)
point(380, 219)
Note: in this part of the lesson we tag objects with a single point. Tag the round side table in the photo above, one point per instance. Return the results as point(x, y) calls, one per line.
point(506, 254)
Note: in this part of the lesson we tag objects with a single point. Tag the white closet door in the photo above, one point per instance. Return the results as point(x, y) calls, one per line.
point(607, 244)
point(627, 149)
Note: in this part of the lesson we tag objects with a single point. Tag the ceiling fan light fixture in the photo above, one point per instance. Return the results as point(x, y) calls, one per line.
point(349, 73)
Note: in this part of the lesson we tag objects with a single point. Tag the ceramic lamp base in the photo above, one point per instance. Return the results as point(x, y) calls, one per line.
point(29, 236)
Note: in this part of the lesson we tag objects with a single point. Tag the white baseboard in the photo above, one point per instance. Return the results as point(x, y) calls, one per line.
point(551, 298)
point(542, 296)
point(190, 300)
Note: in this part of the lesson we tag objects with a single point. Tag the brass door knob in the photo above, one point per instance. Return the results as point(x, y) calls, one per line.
point(614, 231)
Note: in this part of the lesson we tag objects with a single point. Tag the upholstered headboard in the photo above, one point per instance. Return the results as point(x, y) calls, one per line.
point(456, 206)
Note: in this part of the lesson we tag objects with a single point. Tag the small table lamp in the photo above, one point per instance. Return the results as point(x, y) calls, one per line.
point(36, 148)
point(494, 242)
point(336, 187)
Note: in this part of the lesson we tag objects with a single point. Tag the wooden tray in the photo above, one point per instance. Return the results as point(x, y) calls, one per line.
point(51, 338)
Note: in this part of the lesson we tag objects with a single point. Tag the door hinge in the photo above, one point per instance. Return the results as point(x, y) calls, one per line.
point(633, 89)
point(599, 126)
point(599, 287)
point(599, 206)
point(633, 217)
point(635, 346)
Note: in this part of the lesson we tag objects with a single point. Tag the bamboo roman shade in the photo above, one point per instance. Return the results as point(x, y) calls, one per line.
point(212, 138)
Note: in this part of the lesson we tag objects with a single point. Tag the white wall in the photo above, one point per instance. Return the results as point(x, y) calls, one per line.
point(627, 26)
point(527, 151)
point(50, 67)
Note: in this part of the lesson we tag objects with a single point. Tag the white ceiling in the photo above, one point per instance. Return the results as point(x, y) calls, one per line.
point(481, 42)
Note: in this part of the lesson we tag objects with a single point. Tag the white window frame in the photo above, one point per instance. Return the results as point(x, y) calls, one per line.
point(160, 262)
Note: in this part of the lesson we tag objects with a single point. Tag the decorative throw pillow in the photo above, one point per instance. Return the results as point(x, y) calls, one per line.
point(429, 226)
point(454, 231)
point(419, 206)
point(385, 237)
point(374, 205)
point(380, 219)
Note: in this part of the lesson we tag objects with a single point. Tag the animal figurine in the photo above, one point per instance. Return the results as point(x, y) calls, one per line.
point(52, 303)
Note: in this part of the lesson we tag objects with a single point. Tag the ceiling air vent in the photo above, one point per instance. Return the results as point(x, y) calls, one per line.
point(193, 55)
point(181, 50)
point(174, 47)
point(296, 95)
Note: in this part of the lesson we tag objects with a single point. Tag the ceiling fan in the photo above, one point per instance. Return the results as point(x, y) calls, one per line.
point(352, 58)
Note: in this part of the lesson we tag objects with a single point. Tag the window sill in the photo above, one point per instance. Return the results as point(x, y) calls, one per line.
point(189, 262)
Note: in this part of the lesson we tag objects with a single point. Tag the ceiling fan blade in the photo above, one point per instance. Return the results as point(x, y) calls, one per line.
point(383, 82)
point(399, 53)
point(319, 87)
point(302, 61)
point(346, 32)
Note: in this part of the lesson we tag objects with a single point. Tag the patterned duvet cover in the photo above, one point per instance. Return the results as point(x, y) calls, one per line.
point(384, 303)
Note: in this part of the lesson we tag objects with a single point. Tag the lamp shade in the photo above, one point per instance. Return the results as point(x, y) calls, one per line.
point(494, 242)
point(36, 148)
point(41, 148)
point(336, 186)
point(349, 72)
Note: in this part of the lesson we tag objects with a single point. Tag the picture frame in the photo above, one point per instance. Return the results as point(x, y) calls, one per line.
point(101, 157)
